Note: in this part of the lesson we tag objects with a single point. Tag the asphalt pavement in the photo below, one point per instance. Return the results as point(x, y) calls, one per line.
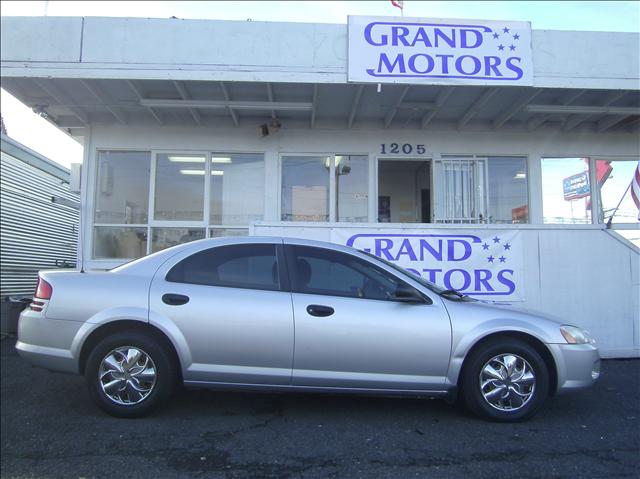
point(50, 428)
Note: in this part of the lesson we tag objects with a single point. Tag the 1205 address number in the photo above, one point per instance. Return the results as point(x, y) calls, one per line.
point(405, 148)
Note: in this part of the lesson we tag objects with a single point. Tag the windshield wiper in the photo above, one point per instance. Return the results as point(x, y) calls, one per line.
point(452, 291)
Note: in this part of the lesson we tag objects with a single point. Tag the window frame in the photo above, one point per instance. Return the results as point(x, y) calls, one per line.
point(151, 222)
point(333, 197)
point(283, 277)
point(290, 262)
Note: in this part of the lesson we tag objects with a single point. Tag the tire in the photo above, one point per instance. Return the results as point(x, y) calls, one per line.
point(509, 397)
point(134, 388)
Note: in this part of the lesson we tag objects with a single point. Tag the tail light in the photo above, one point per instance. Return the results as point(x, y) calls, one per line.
point(43, 291)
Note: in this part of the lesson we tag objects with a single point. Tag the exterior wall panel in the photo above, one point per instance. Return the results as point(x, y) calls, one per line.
point(35, 233)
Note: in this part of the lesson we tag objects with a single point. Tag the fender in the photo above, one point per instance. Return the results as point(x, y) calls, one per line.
point(463, 345)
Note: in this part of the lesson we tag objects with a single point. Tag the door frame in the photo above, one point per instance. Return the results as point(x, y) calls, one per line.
point(376, 183)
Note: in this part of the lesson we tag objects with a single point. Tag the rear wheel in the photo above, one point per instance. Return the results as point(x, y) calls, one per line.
point(505, 380)
point(129, 374)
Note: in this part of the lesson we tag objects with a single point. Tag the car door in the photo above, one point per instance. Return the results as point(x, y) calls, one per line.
point(351, 333)
point(233, 308)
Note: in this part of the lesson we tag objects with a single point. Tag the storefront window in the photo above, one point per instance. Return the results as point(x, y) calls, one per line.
point(122, 187)
point(508, 191)
point(111, 242)
point(352, 186)
point(566, 191)
point(225, 232)
point(166, 237)
point(179, 187)
point(481, 189)
point(237, 189)
point(305, 188)
point(615, 185)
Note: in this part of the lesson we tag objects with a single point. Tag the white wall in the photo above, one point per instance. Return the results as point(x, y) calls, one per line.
point(138, 48)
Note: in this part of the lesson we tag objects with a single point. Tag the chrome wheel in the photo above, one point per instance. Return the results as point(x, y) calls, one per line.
point(507, 382)
point(127, 375)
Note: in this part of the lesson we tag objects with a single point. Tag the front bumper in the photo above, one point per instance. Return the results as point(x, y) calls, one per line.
point(578, 365)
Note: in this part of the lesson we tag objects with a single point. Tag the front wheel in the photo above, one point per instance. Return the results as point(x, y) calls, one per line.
point(129, 374)
point(505, 380)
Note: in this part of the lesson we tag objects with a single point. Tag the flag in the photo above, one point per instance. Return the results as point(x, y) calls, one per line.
point(635, 188)
point(398, 4)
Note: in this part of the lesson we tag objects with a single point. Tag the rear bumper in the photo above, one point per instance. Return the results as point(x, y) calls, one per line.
point(49, 358)
point(578, 365)
point(47, 342)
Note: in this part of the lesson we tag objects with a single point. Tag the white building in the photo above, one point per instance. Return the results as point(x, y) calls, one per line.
point(488, 163)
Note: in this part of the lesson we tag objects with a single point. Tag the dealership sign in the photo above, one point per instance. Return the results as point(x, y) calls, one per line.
point(485, 265)
point(576, 186)
point(432, 51)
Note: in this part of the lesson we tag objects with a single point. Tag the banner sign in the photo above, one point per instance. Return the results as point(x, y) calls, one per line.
point(434, 51)
point(486, 265)
point(576, 186)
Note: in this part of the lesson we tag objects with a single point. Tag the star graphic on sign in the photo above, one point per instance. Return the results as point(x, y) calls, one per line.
point(490, 259)
point(507, 246)
point(516, 37)
point(496, 35)
point(500, 47)
point(505, 30)
point(512, 47)
point(485, 246)
point(496, 240)
point(502, 259)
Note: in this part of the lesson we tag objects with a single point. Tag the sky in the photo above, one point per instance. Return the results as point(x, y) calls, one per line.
point(39, 135)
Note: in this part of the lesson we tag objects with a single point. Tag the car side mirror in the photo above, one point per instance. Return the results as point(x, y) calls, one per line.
point(407, 294)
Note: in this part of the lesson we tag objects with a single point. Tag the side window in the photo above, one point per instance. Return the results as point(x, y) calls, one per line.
point(327, 272)
point(250, 266)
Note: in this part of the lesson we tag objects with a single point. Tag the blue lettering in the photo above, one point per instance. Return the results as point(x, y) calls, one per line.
point(405, 248)
point(367, 37)
point(466, 277)
point(464, 40)
point(491, 65)
point(384, 250)
point(399, 33)
point(422, 37)
point(399, 62)
point(432, 274)
point(476, 65)
point(482, 277)
point(440, 35)
point(424, 245)
point(414, 68)
point(451, 250)
point(506, 281)
point(514, 68)
point(445, 62)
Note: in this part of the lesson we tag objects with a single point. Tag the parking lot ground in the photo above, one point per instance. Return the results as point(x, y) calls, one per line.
point(50, 428)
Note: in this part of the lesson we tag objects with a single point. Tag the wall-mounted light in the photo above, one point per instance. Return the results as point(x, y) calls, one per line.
point(520, 176)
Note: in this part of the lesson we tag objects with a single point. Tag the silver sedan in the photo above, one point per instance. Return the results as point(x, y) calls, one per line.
point(288, 314)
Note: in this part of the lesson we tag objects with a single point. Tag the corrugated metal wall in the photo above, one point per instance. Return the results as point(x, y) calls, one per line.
point(35, 233)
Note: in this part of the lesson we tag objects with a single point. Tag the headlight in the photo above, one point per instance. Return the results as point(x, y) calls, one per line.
point(575, 335)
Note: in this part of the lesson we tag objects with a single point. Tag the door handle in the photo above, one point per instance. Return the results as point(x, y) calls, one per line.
point(175, 299)
point(319, 310)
